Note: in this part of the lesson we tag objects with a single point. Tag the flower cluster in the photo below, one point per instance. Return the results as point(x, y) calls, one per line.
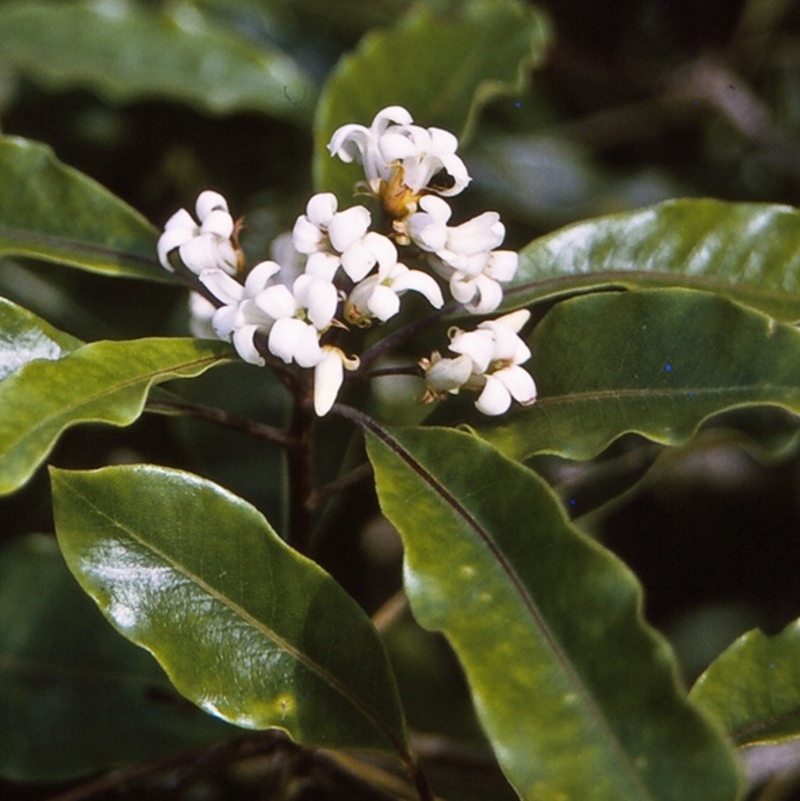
point(353, 274)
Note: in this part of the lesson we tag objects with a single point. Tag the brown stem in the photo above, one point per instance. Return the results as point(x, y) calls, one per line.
point(213, 415)
point(344, 482)
point(299, 466)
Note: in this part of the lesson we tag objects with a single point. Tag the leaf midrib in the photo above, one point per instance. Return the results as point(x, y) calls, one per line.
point(528, 602)
point(365, 710)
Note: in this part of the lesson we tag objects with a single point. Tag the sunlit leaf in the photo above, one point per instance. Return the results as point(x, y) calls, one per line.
point(654, 362)
point(577, 694)
point(50, 211)
point(747, 251)
point(442, 67)
point(103, 382)
point(753, 688)
point(244, 626)
point(25, 337)
point(60, 663)
point(125, 51)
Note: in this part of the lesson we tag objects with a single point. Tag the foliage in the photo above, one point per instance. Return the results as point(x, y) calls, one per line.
point(338, 591)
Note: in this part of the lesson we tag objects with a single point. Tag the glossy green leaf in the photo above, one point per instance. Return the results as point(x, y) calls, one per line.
point(125, 52)
point(747, 251)
point(24, 337)
point(103, 382)
point(60, 663)
point(442, 67)
point(244, 626)
point(50, 211)
point(577, 694)
point(753, 689)
point(655, 362)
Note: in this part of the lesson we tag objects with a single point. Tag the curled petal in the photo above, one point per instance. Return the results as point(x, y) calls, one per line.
point(209, 201)
point(508, 347)
point(172, 238)
point(494, 398)
point(321, 208)
point(515, 320)
point(349, 142)
point(224, 322)
point(258, 278)
point(306, 237)
point(481, 233)
point(226, 289)
point(219, 223)
point(203, 253)
point(348, 226)
point(421, 282)
point(318, 296)
point(490, 295)
point(244, 342)
point(277, 302)
point(462, 288)
point(478, 345)
point(383, 302)
point(285, 336)
point(359, 259)
point(519, 383)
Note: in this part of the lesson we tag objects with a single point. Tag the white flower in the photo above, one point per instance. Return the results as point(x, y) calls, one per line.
point(489, 362)
point(402, 161)
point(239, 319)
point(328, 377)
point(465, 253)
point(205, 245)
point(334, 238)
point(379, 295)
point(201, 312)
point(300, 315)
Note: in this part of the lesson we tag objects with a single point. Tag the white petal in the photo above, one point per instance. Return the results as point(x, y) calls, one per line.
point(284, 337)
point(277, 301)
point(494, 398)
point(318, 296)
point(383, 303)
point(446, 375)
point(172, 238)
point(209, 201)
point(462, 288)
point(508, 347)
point(259, 277)
point(244, 342)
point(481, 233)
point(323, 265)
point(438, 209)
point(222, 286)
point(457, 170)
point(200, 253)
point(395, 114)
point(219, 223)
point(306, 237)
point(321, 208)
point(478, 345)
point(307, 352)
point(358, 260)
point(223, 322)
point(502, 265)
point(182, 219)
point(328, 377)
point(395, 145)
point(515, 320)
point(349, 142)
point(348, 226)
point(420, 282)
point(490, 295)
point(519, 383)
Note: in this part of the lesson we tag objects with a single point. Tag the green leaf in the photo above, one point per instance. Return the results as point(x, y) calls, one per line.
point(752, 688)
point(244, 626)
point(127, 52)
point(24, 337)
point(654, 362)
point(442, 67)
point(50, 211)
point(103, 382)
point(747, 251)
point(76, 697)
point(577, 694)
